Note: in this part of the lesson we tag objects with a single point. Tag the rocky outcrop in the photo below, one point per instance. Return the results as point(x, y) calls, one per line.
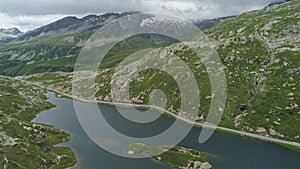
point(7, 141)
point(198, 165)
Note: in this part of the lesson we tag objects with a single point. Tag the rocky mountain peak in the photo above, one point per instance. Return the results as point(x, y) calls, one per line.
point(10, 31)
point(70, 24)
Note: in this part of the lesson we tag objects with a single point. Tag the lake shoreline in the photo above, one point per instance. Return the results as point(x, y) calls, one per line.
point(219, 147)
point(294, 145)
point(288, 144)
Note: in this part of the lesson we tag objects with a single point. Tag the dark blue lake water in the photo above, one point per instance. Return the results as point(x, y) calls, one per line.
point(225, 151)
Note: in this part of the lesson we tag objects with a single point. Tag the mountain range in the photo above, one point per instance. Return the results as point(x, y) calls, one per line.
point(57, 43)
point(259, 49)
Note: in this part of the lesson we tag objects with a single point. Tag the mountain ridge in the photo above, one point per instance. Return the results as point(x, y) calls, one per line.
point(9, 33)
point(70, 24)
point(260, 51)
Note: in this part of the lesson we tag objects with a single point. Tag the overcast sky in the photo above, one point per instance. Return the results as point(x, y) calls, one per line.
point(27, 15)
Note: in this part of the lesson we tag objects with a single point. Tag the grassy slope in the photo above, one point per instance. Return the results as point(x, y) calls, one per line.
point(177, 157)
point(148, 80)
point(248, 46)
point(259, 50)
point(44, 54)
point(34, 146)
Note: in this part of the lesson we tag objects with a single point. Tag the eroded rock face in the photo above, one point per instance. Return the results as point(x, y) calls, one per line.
point(205, 165)
point(7, 141)
point(199, 165)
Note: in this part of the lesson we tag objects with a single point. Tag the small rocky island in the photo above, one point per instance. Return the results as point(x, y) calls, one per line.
point(177, 157)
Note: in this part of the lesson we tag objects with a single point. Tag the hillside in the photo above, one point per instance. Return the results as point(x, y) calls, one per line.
point(51, 48)
point(259, 49)
point(55, 47)
point(24, 144)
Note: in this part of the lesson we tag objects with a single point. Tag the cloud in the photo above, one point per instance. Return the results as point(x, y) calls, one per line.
point(26, 22)
point(33, 13)
point(175, 6)
point(203, 9)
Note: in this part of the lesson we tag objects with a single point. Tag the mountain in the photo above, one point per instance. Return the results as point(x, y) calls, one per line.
point(53, 47)
point(208, 23)
point(260, 51)
point(71, 24)
point(278, 2)
point(9, 33)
